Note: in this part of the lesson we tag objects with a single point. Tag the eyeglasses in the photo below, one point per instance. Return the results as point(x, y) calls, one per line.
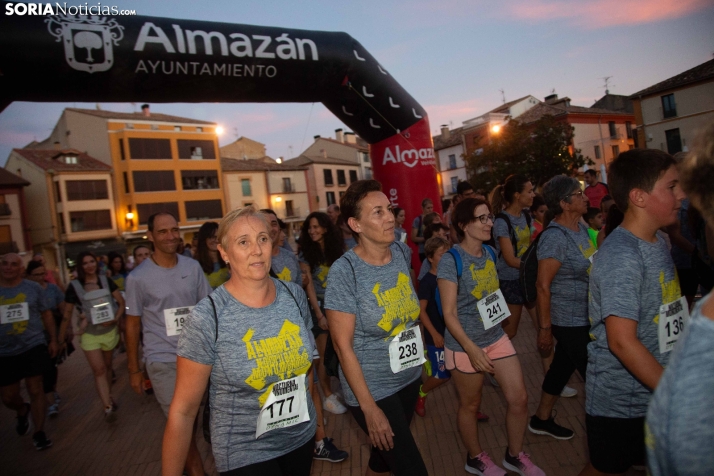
point(579, 193)
point(485, 218)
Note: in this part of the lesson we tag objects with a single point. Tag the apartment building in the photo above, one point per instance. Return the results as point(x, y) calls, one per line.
point(14, 236)
point(345, 146)
point(159, 163)
point(327, 178)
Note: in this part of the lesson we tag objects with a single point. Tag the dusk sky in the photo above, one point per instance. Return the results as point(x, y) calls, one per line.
point(452, 56)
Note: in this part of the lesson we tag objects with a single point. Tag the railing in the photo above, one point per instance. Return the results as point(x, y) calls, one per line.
point(288, 188)
point(292, 212)
point(5, 209)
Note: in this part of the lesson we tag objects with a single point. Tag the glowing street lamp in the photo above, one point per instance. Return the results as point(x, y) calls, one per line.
point(219, 130)
point(496, 129)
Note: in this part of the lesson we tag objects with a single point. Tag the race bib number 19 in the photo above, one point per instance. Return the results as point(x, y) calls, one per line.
point(11, 313)
point(286, 406)
point(493, 309)
point(672, 319)
point(406, 350)
point(175, 319)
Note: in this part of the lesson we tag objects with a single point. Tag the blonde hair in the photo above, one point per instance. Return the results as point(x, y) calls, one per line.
point(228, 221)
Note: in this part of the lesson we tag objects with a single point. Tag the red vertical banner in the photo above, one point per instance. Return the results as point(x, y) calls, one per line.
point(405, 164)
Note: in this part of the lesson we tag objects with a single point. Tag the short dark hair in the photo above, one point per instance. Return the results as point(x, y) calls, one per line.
point(396, 211)
point(636, 168)
point(152, 219)
point(268, 211)
point(464, 213)
point(538, 201)
point(32, 265)
point(355, 193)
point(433, 228)
point(463, 187)
point(591, 172)
point(133, 252)
point(591, 213)
point(426, 201)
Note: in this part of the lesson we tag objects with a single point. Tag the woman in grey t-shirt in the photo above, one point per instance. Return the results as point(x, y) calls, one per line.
point(372, 310)
point(252, 337)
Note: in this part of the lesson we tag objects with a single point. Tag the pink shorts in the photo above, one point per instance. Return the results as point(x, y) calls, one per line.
point(500, 349)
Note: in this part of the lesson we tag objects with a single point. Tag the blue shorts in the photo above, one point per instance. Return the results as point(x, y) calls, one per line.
point(435, 365)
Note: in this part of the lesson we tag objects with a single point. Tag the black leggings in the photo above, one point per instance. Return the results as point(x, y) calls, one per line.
point(404, 458)
point(571, 354)
point(296, 463)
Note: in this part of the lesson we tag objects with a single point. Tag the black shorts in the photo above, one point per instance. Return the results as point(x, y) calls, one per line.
point(512, 292)
point(615, 444)
point(30, 363)
point(316, 329)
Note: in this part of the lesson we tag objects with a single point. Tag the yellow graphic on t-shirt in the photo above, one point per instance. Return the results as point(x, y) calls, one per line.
point(17, 327)
point(588, 252)
point(486, 279)
point(670, 291)
point(322, 271)
point(523, 239)
point(285, 275)
point(276, 358)
point(399, 303)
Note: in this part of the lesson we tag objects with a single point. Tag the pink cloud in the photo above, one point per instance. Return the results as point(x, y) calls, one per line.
point(604, 13)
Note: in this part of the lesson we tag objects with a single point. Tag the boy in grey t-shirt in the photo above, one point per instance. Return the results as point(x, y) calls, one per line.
point(633, 288)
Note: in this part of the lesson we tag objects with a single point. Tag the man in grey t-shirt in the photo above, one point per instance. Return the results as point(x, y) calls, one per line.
point(160, 294)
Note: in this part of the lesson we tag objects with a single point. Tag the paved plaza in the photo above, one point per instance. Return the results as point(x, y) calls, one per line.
point(85, 445)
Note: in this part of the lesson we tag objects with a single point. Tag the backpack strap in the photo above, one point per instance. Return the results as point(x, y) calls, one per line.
point(457, 261)
point(491, 251)
point(292, 296)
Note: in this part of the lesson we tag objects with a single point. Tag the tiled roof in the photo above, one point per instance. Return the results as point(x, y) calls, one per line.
point(361, 144)
point(503, 108)
point(615, 102)
point(50, 159)
point(698, 73)
point(9, 179)
point(454, 139)
point(138, 116)
point(307, 160)
point(540, 110)
point(233, 165)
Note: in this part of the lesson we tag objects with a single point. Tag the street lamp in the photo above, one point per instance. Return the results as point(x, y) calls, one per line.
point(129, 217)
point(219, 130)
point(496, 129)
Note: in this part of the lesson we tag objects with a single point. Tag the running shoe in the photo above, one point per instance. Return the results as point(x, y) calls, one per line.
point(419, 409)
point(483, 465)
point(110, 415)
point(329, 452)
point(482, 417)
point(23, 422)
point(549, 427)
point(41, 441)
point(521, 464)
point(53, 410)
point(568, 392)
point(333, 405)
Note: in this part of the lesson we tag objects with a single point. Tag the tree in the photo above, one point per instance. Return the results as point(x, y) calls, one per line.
point(539, 150)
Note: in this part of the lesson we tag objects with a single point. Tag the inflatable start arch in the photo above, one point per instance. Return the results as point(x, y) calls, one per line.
point(64, 58)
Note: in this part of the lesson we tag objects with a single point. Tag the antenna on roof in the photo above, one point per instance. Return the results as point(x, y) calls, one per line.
point(235, 132)
point(606, 79)
point(552, 91)
point(503, 96)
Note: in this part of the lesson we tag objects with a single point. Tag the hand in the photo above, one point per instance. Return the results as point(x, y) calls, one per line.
point(137, 381)
point(322, 322)
point(438, 339)
point(380, 431)
point(479, 360)
point(545, 340)
point(53, 349)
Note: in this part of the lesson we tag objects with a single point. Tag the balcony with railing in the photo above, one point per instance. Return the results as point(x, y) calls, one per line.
point(288, 188)
point(292, 212)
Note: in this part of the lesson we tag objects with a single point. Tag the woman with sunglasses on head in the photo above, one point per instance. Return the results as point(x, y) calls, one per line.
point(476, 344)
point(208, 257)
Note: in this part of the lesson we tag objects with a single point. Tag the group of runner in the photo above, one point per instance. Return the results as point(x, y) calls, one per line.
point(263, 330)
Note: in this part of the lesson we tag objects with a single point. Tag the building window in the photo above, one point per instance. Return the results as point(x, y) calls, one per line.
point(365, 157)
point(196, 149)
point(199, 179)
point(70, 159)
point(204, 210)
point(454, 184)
point(327, 173)
point(122, 154)
point(597, 152)
point(245, 186)
point(58, 192)
point(613, 128)
point(288, 186)
point(86, 190)
point(177, 128)
point(60, 220)
point(90, 220)
point(199, 129)
point(129, 125)
point(341, 180)
point(126, 182)
point(150, 148)
point(353, 176)
point(330, 198)
point(289, 211)
point(615, 151)
point(367, 173)
point(155, 127)
point(145, 210)
point(628, 128)
point(154, 181)
point(674, 141)
point(669, 108)
point(452, 161)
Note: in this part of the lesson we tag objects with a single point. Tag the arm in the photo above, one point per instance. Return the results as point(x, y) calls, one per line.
point(120, 310)
point(133, 327)
point(312, 296)
point(508, 253)
point(547, 268)
point(624, 344)
point(342, 329)
point(415, 237)
point(49, 322)
point(424, 317)
point(191, 381)
point(479, 359)
point(66, 320)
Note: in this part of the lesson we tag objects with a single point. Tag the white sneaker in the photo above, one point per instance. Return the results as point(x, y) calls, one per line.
point(333, 405)
point(568, 392)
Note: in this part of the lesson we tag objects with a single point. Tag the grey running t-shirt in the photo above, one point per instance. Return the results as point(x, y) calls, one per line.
point(630, 278)
point(680, 421)
point(319, 277)
point(286, 266)
point(478, 279)
point(21, 336)
point(256, 348)
point(384, 303)
point(569, 288)
point(523, 239)
point(150, 289)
